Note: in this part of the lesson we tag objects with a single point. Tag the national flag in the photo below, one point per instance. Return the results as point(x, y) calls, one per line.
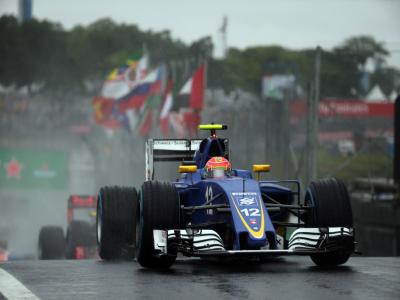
point(150, 85)
point(104, 112)
point(124, 78)
point(146, 117)
point(151, 103)
point(145, 127)
point(197, 94)
point(192, 93)
point(166, 108)
point(191, 119)
point(177, 125)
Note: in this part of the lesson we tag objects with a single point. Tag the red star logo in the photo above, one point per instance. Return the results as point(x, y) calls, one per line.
point(13, 168)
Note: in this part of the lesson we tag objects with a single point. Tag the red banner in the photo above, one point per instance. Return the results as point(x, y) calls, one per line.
point(345, 108)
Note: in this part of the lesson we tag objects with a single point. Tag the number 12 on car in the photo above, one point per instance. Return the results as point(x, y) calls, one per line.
point(251, 212)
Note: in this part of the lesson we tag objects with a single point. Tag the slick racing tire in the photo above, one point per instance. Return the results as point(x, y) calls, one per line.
point(331, 208)
point(159, 208)
point(79, 234)
point(115, 222)
point(51, 243)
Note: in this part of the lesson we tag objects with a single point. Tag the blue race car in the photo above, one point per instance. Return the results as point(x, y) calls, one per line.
point(215, 211)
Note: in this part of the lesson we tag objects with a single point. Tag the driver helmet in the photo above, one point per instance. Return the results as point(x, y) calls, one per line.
point(218, 167)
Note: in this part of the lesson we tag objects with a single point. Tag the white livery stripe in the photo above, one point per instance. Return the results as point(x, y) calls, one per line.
point(12, 289)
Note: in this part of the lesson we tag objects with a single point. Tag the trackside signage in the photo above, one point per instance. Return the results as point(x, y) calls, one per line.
point(346, 108)
point(25, 169)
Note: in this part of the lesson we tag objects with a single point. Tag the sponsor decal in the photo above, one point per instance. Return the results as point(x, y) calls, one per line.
point(245, 198)
point(253, 223)
point(209, 196)
point(244, 194)
point(247, 201)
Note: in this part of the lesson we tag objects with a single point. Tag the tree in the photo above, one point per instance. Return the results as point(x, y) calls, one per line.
point(388, 79)
point(359, 49)
point(41, 52)
point(10, 49)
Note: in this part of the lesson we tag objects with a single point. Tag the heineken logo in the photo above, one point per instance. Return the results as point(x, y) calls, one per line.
point(13, 169)
point(44, 172)
point(33, 169)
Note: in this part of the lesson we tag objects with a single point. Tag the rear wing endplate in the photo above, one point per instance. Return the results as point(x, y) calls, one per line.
point(168, 150)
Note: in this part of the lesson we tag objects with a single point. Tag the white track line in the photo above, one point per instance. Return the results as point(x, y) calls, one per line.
point(12, 289)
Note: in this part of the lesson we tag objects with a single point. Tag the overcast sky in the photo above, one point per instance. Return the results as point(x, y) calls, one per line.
point(292, 23)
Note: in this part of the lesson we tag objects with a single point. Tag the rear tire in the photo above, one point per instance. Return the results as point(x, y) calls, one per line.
point(332, 208)
point(115, 222)
point(159, 208)
point(51, 243)
point(79, 234)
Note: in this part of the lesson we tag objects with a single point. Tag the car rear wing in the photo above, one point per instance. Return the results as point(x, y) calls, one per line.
point(79, 201)
point(168, 150)
point(82, 201)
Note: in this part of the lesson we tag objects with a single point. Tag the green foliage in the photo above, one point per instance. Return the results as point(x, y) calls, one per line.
point(386, 78)
point(339, 75)
point(10, 49)
point(359, 49)
point(42, 53)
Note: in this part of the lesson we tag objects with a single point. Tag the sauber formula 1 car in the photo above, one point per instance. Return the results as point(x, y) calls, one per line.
point(80, 241)
point(214, 211)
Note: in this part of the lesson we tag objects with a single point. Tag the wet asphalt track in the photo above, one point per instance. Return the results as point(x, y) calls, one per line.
point(286, 278)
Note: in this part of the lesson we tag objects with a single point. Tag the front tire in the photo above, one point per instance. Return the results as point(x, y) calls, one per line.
point(331, 208)
point(159, 208)
point(115, 222)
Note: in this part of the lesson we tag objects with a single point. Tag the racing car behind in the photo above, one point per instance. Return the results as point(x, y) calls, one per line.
point(80, 239)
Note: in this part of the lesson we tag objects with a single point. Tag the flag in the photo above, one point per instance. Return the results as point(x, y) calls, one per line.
point(192, 92)
point(119, 82)
point(190, 101)
point(177, 125)
point(144, 127)
point(123, 79)
point(150, 85)
point(166, 108)
point(146, 116)
point(197, 93)
point(151, 102)
point(104, 113)
point(191, 121)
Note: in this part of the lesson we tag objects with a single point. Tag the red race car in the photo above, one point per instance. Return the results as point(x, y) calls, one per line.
point(80, 241)
point(3, 251)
